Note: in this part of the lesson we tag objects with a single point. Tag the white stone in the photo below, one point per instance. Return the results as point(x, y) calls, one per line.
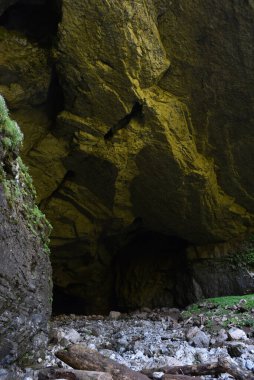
point(158, 375)
point(72, 335)
point(249, 364)
point(237, 334)
point(114, 315)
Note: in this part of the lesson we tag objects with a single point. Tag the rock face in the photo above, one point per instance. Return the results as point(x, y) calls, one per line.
point(138, 122)
point(25, 272)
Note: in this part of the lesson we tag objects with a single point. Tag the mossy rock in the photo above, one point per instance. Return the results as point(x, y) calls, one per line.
point(25, 273)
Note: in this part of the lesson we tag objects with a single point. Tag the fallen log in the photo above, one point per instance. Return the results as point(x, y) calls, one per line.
point(180, 377)
point(191, 370)
point(82, 358)
point(72, 374)
point(233, 369)
point(223, 365)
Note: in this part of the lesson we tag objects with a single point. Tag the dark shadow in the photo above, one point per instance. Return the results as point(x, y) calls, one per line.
point(135, 113)
point(146, 270)
point(37, 21)
point(55, 99)
point(67, 304)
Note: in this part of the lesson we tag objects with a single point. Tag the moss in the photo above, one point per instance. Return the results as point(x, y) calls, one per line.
point(233, 300)
point(11, 134)
point(220, 302)
point(4, 114)
point(245, 256)
point(16, 181)
point(223, 311)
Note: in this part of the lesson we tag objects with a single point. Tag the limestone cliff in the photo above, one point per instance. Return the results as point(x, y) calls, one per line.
point(25, 272)
point(138, 118)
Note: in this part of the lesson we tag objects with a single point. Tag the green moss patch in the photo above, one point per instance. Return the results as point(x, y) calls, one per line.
point(234, 300)
point(216, 313)
point(16, 180)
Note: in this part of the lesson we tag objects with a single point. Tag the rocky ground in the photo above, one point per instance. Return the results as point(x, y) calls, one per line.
point(154, 338)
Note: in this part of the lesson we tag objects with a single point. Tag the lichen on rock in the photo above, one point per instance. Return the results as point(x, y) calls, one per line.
point(152, 131)
point(25, 273)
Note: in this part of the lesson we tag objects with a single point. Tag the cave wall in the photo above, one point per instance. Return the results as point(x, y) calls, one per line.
point(133, 111)
point(25, 271)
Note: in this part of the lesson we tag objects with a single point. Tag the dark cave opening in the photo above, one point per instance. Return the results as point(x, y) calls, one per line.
point(37, 20)
point(146, 270)
point(66, 304)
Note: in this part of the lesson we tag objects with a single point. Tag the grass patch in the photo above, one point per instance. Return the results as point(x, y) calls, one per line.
point(223, 312)
point(233, 300)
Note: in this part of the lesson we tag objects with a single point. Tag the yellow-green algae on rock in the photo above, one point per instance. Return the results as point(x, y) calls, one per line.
point(181, 165)
point(108, 63)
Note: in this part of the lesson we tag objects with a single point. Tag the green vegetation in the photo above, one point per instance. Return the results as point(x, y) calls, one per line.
point(11, 135)
point(245, 256)
point(4, 114)
point(233, 300)
point(16, 180)
point(221, 312)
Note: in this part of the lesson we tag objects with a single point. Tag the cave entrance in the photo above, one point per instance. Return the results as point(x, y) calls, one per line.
point(133, 270)
point(37, 19)
point(147, 271)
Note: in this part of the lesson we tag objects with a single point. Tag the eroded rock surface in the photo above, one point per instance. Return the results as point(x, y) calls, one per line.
point(138, 118)
point(25, 271)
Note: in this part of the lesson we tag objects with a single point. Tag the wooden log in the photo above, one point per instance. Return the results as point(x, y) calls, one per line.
point(180, 377)
point(233, 369)
point(223, 365)
point(72, 374)
point(80, 357)
point(190, 370)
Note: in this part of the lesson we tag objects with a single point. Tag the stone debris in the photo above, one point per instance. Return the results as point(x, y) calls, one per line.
point(152, 339)
point(146, 340)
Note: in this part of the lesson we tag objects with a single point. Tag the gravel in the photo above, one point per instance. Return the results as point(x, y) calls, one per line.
point(146, 339)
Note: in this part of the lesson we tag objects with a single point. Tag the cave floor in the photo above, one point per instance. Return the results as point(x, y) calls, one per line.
point(154, 338)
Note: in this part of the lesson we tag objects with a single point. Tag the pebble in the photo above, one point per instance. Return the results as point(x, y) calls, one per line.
point(249, 364)
point(72, 336)
point(158, 375)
